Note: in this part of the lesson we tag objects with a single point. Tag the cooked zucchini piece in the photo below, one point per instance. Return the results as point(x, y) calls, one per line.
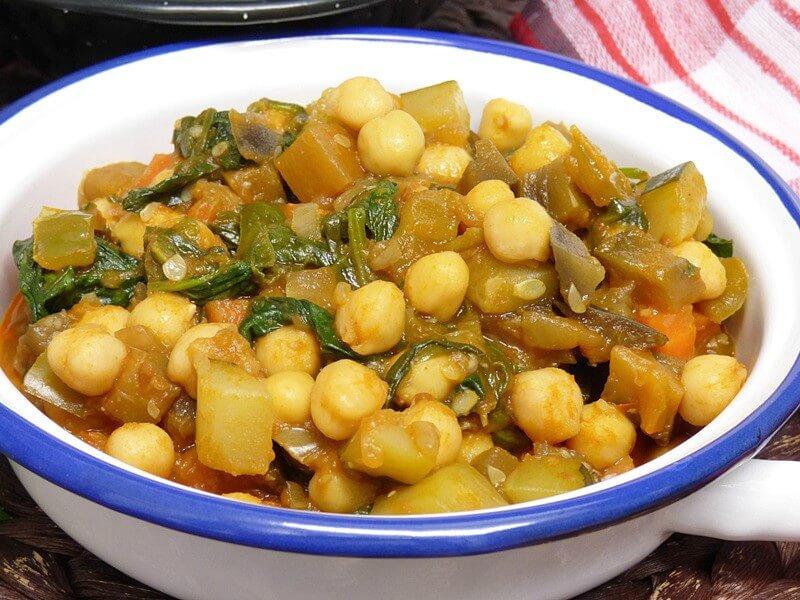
point(441, 112)
point(661, 279)
point(428, 221)
point(63, 238)
point(40, 381)
point(552, 187)
point(674, 202)
point(495, 464)
point(642, 385)
point(579, 273)
point(487, 164)
point(258, 183)
point(539, 477)
point(546, 330)
point(454, 488)
point(497, 287)
point(142, 392)
point(733, 297)
point(594, 173)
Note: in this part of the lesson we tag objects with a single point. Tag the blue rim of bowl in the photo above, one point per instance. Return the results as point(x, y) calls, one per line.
point(366, 536)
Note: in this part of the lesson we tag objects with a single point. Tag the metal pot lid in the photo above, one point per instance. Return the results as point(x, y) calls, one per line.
point(208, 12)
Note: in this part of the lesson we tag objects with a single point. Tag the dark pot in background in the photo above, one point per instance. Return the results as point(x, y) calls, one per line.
point(60, 36)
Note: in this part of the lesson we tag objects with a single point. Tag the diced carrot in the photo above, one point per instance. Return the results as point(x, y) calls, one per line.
point(231, 310)
point(159, 163)
point(679, 327)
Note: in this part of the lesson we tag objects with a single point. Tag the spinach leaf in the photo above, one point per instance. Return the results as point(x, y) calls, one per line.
point(112, 276)
point(266, 243)
point(227, 281)
point(291, 249)
point(208, 134)
point(423, 349)
point(270, 313)
point(206, 143)
point(185, 173)
point(210, 274)
point(381, 213)
point(256, 234)
point(255, 245)
point(4, 516)
point(372, 214)
point(226, 226)
point(719, 246)
point(627, 212)
point(380, 205)
point(356, 233)
point(498, 369)
point(473, 382)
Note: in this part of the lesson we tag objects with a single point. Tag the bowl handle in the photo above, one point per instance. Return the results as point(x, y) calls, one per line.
point(757, 500)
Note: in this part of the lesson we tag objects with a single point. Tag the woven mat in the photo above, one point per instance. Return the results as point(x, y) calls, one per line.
point(38, 561)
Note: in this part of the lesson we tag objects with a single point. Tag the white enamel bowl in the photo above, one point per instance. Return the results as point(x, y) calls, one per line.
point(198, 546)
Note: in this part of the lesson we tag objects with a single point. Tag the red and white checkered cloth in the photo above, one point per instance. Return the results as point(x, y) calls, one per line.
point(737, 62)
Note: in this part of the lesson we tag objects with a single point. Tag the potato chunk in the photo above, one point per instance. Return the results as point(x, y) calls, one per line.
point(441, 112)
point(385, 445)
point(234, 419)
point(673, 202)
point(456, 487)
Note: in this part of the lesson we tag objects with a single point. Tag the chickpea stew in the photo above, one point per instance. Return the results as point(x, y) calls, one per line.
point(362, 306)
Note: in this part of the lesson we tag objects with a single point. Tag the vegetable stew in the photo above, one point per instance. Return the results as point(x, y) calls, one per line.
point(362, 306)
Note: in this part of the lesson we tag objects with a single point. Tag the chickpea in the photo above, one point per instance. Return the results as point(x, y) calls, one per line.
point(392, 144)
point(505, 123)
point(372, 318)
point(144, 446)
point(290, 393)
point(359, 100)
point(547, 404)
point(712, 271)
point(167, 315)
point(112, 318)
point(517, 230)
point(289, 349)
point(710, 382)
point(243, 497)
point(87, 358)
point(180, 368)
point(344, 393)
point(436, 377)
point(335, 490)
point(482, 197)
point(474, 443)
point(606, 435)
point(542, 145)
point(445, 420)
point(443, 163)
point(437, 283)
